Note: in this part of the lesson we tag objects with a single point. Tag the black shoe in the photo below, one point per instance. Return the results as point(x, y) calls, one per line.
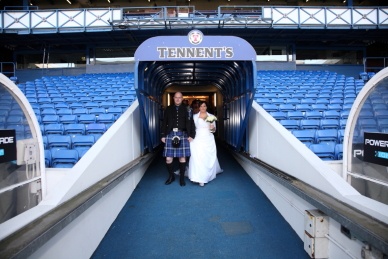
point(182, 181)
point(170, 179)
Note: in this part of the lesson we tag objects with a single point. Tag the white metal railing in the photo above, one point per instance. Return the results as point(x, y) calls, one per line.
point(273, 144)
point(80, 20)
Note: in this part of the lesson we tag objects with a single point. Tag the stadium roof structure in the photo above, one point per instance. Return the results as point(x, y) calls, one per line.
point(305, 27)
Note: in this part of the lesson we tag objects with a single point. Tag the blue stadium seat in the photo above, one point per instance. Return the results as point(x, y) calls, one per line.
point(76, 106)
point(319, 107)
point(379, 106)
point(99, 99)
point(61, 106)
point(309, 101)
point(367, 123)
point(342, 123)
point(97, 111)
point(64, 111)
point(15, 120)
point(278, 115)
point(338, 151)
point(47, 158)
point(335, 107)
point(330, 124)
point(68, 119)
point(271, 107)
point(286, 107)
point(16, 113)
point(322, 101)
point(313, 115)
point(63, 141)
point(382, 123)
point(87, 118)
point(277, 101)
point(303, 107)
point(80, 111)
point(74, 129)
point(325, 151)
point(95, 128)
point(381, 114)
point(331, 114)
point(81, 151)
point(347, 106)
point(90, 105)
point(310, 124)
point(290, 124)
point(341, 134)
point(48, 111)
point(107, 104)
point(305, 135)
point(105, 118)
point(83, 141)
point(115, 111)
point(366, 114)
point(122, 104)
point(50, 119)
point(64, 158)
point(85, 99)
point(344, 114)
point(96, 136)
point(262, 101)
point(326, 135)
point(295, 115)
point(53, 129)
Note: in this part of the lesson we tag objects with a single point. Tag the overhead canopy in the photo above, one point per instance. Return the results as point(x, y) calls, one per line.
point(223, 61)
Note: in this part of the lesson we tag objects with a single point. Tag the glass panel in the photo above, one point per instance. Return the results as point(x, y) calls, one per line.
point(19, 200)
point(13, 176)
point(373, 117)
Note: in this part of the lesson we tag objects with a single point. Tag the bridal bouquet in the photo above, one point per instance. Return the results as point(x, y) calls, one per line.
point(211, 119)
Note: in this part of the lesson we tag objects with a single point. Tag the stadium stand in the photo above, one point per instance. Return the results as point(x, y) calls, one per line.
point(315, 105)
point(73, 112)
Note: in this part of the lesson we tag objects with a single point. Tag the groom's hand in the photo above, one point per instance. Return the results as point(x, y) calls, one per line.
point(190, 139)
point(164, 140)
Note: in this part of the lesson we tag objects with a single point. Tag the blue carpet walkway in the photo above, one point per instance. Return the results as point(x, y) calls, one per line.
point(228, 218)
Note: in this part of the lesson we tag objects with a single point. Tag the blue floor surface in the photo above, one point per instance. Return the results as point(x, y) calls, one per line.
point(228, 218)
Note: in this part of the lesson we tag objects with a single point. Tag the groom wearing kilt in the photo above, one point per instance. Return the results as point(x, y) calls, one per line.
point(177, 124)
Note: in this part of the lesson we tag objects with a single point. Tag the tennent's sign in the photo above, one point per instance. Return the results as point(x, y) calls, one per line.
point(195, 46)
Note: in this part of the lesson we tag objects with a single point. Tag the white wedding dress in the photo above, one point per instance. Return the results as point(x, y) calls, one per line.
point(203, 164)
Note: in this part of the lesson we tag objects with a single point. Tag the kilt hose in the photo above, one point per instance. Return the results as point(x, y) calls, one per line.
point(182, 151)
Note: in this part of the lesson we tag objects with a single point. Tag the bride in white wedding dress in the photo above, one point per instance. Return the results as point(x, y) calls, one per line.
point(203, 165)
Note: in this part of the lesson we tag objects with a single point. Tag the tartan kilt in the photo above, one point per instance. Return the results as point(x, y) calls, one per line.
point(182, 151)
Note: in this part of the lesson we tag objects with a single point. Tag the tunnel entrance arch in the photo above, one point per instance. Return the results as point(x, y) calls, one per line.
point(195, 61)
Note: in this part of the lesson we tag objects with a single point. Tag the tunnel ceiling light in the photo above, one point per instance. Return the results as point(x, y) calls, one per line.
point(344, 1)
point(31, 3)
point(68, 1)
point(108, 1)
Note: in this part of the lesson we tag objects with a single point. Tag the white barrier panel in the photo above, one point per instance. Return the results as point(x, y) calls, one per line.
point(275, 145)
point(117, 147)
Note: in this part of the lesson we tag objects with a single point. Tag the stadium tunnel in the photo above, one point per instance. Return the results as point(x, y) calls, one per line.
point(191, 63)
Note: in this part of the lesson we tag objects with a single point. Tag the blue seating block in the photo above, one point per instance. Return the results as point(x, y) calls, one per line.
point(324, 150)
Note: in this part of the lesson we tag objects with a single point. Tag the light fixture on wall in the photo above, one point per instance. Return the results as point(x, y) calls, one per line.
point(344, 1)
point(68, 1)
point(108, 1)
point(31, 3)
point(307, 1)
